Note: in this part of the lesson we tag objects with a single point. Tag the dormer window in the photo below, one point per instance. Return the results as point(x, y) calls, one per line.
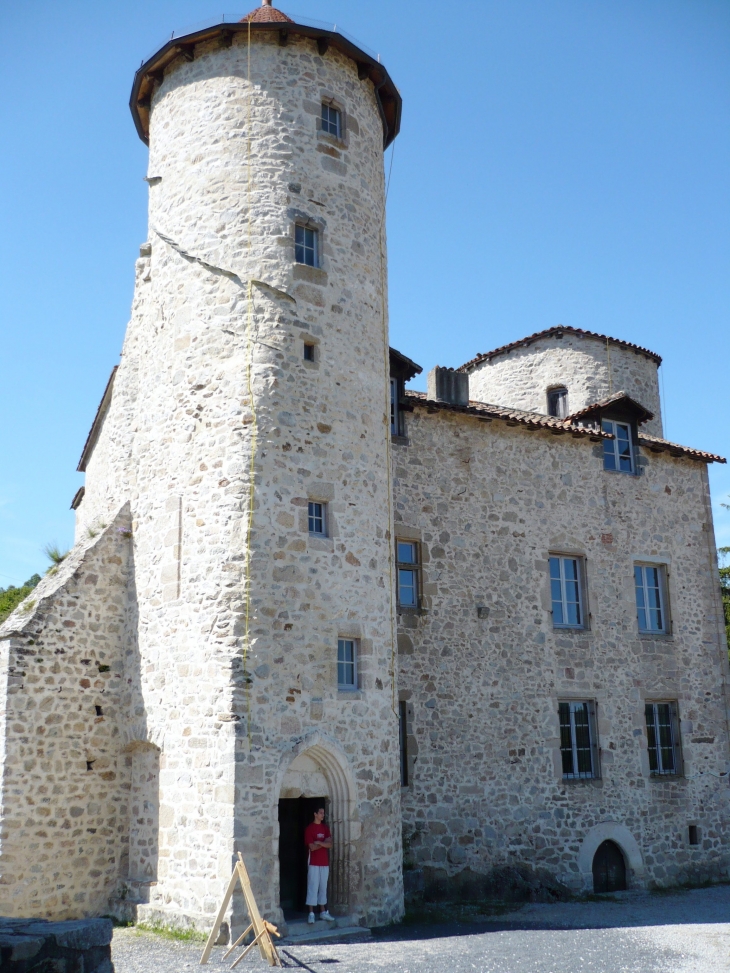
point(557, 402)
point(618, 454)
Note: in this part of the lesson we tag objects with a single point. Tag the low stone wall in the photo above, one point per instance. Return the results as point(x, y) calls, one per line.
point(29, 945)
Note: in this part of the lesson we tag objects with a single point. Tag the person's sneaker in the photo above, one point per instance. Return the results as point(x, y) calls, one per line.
point(310, 920)
point(326, 916)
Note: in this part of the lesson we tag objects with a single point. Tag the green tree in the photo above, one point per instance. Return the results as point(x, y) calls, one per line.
point(11, 597)
point(724, 554)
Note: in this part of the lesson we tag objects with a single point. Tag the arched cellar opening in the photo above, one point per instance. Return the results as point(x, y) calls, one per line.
point(314, 779)
point(609, 868)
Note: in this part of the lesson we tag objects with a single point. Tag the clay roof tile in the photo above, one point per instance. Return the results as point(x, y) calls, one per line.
point(266, 14)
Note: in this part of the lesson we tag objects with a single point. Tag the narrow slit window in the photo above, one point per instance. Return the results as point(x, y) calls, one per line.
point(578, 740)
point(395, 413)
point(566, 592)
point(317, 518)
point(618, 452)
point(662, 738)
point(346, 664)
point(403, 737)
point(308, 351)
point(306, 245)
point(332, 121)
point(650, 610)
point(408, 567)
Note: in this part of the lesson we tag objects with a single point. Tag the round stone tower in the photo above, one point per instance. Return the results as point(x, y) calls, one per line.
point(247, 426)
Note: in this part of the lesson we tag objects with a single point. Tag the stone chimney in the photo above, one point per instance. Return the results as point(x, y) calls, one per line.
point(448, 385)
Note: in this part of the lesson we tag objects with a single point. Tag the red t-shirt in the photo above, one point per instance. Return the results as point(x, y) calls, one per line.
point(317, 832)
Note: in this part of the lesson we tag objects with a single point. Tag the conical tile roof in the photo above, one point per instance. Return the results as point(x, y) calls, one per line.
point(266, 14)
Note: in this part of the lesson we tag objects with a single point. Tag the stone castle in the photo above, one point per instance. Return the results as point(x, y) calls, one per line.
point(483, 623)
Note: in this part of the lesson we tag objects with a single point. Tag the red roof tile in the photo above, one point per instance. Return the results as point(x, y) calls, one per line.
point(549, 332)
point(657, 445)
point(266, 14)
point(595, 408)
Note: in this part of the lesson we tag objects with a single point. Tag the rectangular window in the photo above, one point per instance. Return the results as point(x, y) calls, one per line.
point(617, 452)
point(308, 352)
point(649, 583)
point(662, 734)
point(578, 740)
point(332, 121)
point(395, 420)
point(557, 400)
point(317, 518)
point(306, 249)
point(694, 837)
point(346, 664)
point(566, 592)
point(407, 573)
point(403, 737)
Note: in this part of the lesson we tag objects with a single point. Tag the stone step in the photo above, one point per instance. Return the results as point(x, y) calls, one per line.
point(343, 929)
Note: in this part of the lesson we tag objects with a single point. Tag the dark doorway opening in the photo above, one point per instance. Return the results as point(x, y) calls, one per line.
point(294, 816)
point(609, 868)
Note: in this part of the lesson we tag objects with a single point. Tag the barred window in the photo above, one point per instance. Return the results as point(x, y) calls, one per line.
point(346, 664)
point(662, 733)
point(566, 591)
point(332, 121)
point(317, 518)
point(578, 739)
point(649, 583)
point(306, 245)
point(408, 568)
point(618, 454)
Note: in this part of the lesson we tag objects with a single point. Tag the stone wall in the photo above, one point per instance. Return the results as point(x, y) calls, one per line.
point(62, 712)
point(177, 441)
point(482, 668)
point(522, 377)
point(30, 946)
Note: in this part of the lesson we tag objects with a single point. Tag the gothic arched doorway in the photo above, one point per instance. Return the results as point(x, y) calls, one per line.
point(609, 868)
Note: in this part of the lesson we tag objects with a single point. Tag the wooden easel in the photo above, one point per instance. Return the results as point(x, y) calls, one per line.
point(262, 929)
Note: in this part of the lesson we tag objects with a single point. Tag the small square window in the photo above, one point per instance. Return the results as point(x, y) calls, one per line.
point(618, 453)
point(557, 402)
point(306, 245)
point(566, 592)
point(650, 585)
point(662, 738)
point(317, 518)
point(308, 352)
point(408, 568)
point(332, 121)
point(578, 739)
point(347, 664)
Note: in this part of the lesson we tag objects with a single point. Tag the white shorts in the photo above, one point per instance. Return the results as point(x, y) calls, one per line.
point(317, 876)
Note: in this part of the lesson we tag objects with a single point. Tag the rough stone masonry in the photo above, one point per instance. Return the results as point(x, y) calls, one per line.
point(186, 668)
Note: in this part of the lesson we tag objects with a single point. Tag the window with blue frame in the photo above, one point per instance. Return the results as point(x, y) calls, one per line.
point(566, 591)
point(306, 245)
point(346, 664)
point(649, 583)
point(618, 453)
point(408, 567)
point(317, 518)
point(332, 120)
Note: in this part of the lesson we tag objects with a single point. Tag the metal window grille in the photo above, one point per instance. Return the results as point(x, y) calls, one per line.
point(617, 452)
point(407, 573)
point(317, 518)
point(332, 121)
point(346, 664)
point(403, 737)
point(649, 585)
point(578, 740)
point(558, 403)
point(662, 734)
point(566, 593)
point(306, 245)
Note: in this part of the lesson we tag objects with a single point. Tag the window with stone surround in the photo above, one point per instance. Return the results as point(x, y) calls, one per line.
point(347, 665)
point(331, 120)
point(650, 585)
point(618, 453)
point(306, 245)
point(566, 591)
point(662, 738)
point(557, 402)
point(408, 573)
point(317, 518)
point(578, 739)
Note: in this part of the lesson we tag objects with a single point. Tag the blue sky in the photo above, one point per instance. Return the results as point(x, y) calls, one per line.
point(560, 162)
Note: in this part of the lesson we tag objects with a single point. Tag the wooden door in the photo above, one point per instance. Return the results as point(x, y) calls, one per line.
point(609, 868)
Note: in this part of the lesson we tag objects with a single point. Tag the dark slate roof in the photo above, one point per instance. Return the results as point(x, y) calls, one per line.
point(97, 423)
point(406, 365)
point(621, 399)
point(551, 332)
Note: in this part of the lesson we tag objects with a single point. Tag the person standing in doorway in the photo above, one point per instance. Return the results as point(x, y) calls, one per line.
point(318, 839)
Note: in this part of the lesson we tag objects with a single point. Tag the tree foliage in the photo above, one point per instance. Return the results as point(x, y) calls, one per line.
point(724, 553)
point(11, 597)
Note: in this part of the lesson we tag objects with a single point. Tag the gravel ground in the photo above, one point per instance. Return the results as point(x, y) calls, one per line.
point(683, 932)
